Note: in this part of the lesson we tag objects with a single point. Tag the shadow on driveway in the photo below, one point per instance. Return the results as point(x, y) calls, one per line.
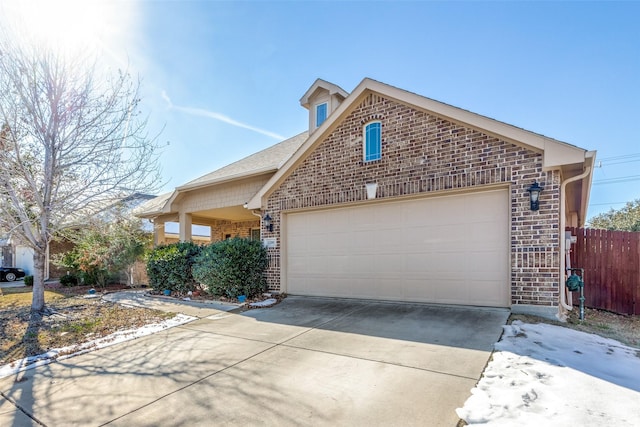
point(305, 361)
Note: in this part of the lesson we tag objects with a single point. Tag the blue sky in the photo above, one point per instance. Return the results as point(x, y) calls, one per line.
point(224, 79)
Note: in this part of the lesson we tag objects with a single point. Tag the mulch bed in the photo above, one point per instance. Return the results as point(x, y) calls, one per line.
point(203, 296)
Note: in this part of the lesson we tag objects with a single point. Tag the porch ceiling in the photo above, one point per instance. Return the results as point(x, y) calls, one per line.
point(229, 213)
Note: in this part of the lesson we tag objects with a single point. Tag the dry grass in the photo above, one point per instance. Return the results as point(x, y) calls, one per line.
point(72, 319)
point(625, 329)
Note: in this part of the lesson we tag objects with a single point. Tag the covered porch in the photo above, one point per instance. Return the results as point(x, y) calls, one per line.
point(204, 214)
point(206, 226)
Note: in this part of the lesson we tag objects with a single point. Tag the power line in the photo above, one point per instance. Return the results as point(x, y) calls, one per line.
point(617, 180)
point(618, 162)
point(606, 204)
point(623, 156)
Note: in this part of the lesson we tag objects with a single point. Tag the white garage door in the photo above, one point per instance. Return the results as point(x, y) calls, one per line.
point(450, 250)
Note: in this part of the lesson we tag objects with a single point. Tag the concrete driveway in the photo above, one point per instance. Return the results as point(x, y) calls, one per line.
point(306, 361)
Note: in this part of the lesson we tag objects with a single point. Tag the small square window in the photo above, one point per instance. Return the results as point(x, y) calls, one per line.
point(255, 234)
point(373, 141)
point(321, 114)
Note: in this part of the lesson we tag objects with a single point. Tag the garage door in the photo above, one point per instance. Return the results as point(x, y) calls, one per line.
point(450, 250)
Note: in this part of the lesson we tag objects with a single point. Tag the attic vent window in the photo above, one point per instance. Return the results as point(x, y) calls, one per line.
point(321, 113)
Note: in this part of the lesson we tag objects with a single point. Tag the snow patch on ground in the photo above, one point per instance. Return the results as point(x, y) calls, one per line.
point(74, 350)
point(266, 303)
point(550, 375)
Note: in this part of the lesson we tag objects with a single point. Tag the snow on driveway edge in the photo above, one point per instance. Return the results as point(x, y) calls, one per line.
point(77, 349)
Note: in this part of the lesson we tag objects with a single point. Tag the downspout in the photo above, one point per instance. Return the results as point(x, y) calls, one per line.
point(259, 215)
point(563, 222)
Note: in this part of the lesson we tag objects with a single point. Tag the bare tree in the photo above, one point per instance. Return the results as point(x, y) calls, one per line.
point(72, 141)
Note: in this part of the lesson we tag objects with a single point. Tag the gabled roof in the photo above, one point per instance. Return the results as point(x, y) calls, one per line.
point(322, 84)
point(268, 160)
point(152, 207)
point(555, 153)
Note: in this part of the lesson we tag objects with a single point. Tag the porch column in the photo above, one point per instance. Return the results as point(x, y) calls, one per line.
point(185, 227)
point(158, 232)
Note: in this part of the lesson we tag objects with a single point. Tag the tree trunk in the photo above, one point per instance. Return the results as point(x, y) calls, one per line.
point(39, 259)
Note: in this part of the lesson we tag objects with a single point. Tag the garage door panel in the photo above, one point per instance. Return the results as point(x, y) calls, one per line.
point(389, 264)
point(486, 293)
point(449, 291)
point(418, 290)
point(297, 266)
point(318, 265)
point(451, 249)
point(418, 264)
point(388, 289)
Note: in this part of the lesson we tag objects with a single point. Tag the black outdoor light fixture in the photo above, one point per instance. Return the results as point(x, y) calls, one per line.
point(534, 195)
point(268, 224)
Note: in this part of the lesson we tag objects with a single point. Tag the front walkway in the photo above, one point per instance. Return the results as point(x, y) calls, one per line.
point(139, 298)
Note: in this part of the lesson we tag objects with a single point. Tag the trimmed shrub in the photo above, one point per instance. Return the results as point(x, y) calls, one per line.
point(28, 280)
point(232, 267)
point(68, 280)
point(169, 266)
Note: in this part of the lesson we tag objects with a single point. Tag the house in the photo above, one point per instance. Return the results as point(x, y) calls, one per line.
point(16, 253)
point(394, 196)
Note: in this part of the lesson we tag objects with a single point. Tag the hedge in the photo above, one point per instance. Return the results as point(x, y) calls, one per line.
point(232, 267)
point(169, 266)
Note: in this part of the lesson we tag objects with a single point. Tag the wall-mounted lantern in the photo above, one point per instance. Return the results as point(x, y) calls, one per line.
point(268, 222)
point(534, 195)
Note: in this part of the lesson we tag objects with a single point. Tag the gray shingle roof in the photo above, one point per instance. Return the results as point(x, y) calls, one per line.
point(269, 159)
point(152, 206)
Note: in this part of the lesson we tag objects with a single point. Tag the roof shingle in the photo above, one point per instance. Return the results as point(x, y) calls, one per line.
point(269, 159)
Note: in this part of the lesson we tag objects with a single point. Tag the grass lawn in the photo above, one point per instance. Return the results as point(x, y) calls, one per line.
point(73, 319)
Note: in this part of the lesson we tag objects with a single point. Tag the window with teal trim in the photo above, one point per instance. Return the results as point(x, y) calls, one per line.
point(372, 141)
point(321, 114)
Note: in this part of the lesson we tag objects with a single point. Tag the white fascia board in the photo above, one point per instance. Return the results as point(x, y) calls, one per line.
point(557, 154)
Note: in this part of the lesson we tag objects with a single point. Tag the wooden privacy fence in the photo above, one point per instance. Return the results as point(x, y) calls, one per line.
point(611, 262)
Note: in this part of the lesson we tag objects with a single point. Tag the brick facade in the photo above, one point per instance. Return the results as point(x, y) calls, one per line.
point(221, 229)
point(425, 154)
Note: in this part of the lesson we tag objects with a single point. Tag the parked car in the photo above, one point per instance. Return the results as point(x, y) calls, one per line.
point(9, 274)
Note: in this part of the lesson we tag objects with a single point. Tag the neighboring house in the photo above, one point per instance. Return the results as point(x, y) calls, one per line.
point(394, 196)
point(6, 252)
point(14, 254)
point(22, 256)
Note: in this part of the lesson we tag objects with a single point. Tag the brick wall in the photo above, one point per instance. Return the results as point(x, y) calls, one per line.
point(220, 229)
point(423, 154)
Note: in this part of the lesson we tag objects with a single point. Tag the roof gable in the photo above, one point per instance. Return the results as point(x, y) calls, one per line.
point(321, 84)
point(268, 160)
point(555, 153)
